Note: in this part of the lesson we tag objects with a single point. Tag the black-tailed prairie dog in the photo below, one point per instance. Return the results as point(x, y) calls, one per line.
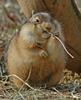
point(34, 49)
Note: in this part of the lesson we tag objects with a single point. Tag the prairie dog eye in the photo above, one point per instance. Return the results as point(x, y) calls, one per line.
point(37, 20)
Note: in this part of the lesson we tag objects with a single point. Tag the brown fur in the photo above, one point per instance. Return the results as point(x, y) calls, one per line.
point(63, 11)
point(46, 62)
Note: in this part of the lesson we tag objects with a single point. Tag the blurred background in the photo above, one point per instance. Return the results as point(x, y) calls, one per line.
point(11, 19)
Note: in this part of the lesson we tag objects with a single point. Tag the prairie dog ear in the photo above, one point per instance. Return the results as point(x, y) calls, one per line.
point(33, 12)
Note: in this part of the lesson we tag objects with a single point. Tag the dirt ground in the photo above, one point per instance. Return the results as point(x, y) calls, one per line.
point(11, 19)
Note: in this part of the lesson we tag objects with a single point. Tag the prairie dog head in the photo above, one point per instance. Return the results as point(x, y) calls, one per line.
point(33, 35)
point(47, 23)
point(37, 30)
point(43, 20)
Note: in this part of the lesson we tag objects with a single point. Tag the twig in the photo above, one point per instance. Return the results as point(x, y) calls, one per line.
point(9, 16)
point(74, 96)
point(21, 95)
point(58, 92)
point(72, 93)
point(13, 75)
point(35, 97)
point(64, 47)
point(26, 80)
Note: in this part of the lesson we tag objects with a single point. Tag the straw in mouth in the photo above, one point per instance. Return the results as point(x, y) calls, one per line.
point(57, 37)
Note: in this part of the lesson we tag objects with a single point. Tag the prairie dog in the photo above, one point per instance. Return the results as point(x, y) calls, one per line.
point(34, 49)
point(47, 23)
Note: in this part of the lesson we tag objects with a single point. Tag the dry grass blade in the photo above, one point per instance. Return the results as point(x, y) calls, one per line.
point(74, 89)
point(13, 75)
point(26, 80)
point(64, 47)
point(61, 95)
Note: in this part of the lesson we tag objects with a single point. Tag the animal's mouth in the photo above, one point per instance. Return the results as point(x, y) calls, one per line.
point(46, 35)
point(43, 39)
